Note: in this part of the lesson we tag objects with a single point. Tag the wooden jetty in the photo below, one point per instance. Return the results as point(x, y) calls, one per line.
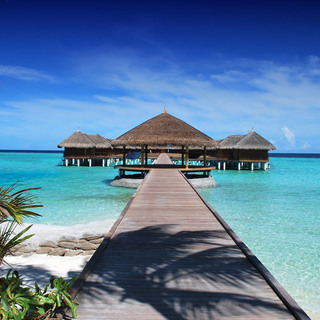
point(171, 256)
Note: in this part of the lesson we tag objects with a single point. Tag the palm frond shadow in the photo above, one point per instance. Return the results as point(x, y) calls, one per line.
point(181, 275)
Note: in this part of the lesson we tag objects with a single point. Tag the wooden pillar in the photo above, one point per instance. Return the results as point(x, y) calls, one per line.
point(142, 155)
point(252, 166)
point(145, 155)
point(78, 162)
point(187, 157)
point(66, 162)
point(124, 156)
point(182, 156)
point(219, 165)
point(224, 165)
point(204, 156)
point(239, 166)
point(103, 162)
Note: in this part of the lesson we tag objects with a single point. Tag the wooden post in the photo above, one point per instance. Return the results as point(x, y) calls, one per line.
point(182, 156)
point(252, 166)
point(103, 162)
point(66, 162)
point(187, 157)
point(145, 155)
point(204, 156)
point(124, 156)
point(239, 166)
point(78, 163)
point(142, 155)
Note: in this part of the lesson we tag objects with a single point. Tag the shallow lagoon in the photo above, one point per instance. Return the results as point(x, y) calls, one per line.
point(276, 213)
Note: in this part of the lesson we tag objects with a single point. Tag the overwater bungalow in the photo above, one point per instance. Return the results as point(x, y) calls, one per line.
point(244, 152)
point(86, 149)
point(165, 133)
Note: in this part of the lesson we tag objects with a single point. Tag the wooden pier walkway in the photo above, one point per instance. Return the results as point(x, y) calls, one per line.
point(171, 256)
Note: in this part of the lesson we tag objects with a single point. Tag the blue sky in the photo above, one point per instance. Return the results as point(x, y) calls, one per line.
point(224, 67)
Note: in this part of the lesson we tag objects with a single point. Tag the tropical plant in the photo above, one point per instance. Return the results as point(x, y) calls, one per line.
point(18, 302)
point(14, 207)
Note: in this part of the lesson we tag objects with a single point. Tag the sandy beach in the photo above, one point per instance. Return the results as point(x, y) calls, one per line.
point(40, 267)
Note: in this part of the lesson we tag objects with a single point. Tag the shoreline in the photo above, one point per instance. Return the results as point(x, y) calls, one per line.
point(40, 267)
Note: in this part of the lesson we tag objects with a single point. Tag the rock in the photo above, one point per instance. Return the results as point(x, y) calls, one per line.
point(26, 250)
point(96, 241)
point(90, 237)
point(86, 246)
point(72, 253)
point(90, 252)
point(57, 252)
point(50, 244)
point(67, 244)
point(44, 250)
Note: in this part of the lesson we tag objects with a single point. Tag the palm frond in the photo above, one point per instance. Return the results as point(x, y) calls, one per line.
point(17, 205)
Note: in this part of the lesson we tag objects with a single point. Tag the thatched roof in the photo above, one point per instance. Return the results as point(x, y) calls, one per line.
point(230, 141)
point(165, 129)
point(99, 141)
point(82, 140)
point(251, 141)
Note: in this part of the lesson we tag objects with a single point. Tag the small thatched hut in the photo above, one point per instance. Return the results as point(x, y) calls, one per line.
point(238, 149)
point(81, 146)
point(164, 132)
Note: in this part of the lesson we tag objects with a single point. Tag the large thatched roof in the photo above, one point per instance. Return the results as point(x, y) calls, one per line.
point(82, 140)
point(165, 129)
point(251, 141)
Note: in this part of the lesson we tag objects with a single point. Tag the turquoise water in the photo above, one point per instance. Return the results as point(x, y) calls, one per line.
point(276, 213)
point(70, 195)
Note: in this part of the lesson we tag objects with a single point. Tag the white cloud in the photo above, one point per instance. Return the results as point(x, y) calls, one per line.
point(124, 89)
point(306, 145)
point(22, 73)
point(290, 136)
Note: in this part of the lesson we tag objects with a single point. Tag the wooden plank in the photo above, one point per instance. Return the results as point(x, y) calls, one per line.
point(170, 257)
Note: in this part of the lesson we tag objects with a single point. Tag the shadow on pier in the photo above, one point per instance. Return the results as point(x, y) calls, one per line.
point(183, 275)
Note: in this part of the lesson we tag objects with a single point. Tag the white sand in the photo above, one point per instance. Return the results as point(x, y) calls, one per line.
point(40, 267)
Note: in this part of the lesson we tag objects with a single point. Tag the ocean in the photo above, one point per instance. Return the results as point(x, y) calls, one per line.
point(275, 213)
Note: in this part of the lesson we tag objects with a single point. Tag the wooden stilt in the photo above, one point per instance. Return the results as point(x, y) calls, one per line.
point(124, 156)
point(146, 155)
point(182, 156)
point(66, 162)
point(239, 166)
point(78, 163)
point(187, 156)
point(142, 155)
point(252, 166)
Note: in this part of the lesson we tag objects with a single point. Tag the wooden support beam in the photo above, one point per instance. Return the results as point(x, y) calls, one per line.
point(187, 156)
point(145, 155)
point(204, 156)
point(142, 155)
point(182, 156)
point(124, 156)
